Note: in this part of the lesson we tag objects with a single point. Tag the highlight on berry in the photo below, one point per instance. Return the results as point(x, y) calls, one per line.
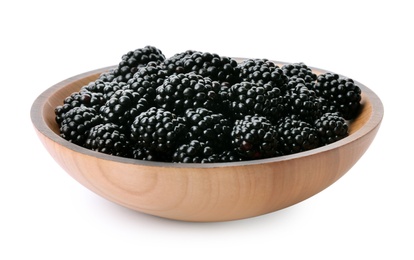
point(202, 107)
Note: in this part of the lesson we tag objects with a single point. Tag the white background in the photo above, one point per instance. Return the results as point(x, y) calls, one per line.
point(367, 214)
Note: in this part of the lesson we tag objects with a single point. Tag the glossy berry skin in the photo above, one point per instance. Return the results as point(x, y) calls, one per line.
point(262, 71)
point(248, 98)
point(339, 94)
point(194, 152)
point(77, 122)
point(208, 127)
point(84, 98)
point(296, 135)
point(302, 101)
point(175, 63)
point(254, 137)
point(108, 138)
point(131, 62)
point(158, 130)
point(300, 70)
point(146, 80)
point(182, 91)
point(216, 67)
point(331, 127)
point(122, 108)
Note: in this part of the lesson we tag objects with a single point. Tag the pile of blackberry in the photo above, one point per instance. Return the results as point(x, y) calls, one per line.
point(201, 107)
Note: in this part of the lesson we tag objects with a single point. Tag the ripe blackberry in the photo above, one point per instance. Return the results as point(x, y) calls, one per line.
point(254, 137)
point(331, 127)
point(296, 135)
point(96, 86)
point(175, 63)
point(157, 130)
point(206, 126)
point(77, 122)
point(122, 108)
point(250, 98)
point(223, 100)
point(131, 61)
point(300, 70)
point(108, 138)
point(263, 71)
point(146, 80)
point(218, 68)
point(182, 91)
point(229, 156)
point(194, 152)
point(302, 101)
point(142, 153)
point(109, 88)
point(82, 98)
point(340, 94)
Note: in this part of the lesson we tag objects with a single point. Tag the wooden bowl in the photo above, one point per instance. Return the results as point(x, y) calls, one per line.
point(204, 192)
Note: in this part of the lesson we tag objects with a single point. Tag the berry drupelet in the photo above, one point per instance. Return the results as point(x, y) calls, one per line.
point(175, 63)
point(146, 80)
point(182, 91)
point(254, 137)
point(262, 71)
point(206, 126)
point(82, 98)
point(248, 98)
point(108, 138)
point(77, 122)
point(122, 108)
point(331, 127)
point(296, 135)
point(131, 62)
point(218, 68)
point(194, 152)
point(300, 70)
point(158, 130)
point(339, 94)
point(302, 101)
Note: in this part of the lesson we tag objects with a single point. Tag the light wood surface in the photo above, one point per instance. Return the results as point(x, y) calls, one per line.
point(204, 192)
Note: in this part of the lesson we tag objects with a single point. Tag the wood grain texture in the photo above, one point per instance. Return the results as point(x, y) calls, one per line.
point(204, 192)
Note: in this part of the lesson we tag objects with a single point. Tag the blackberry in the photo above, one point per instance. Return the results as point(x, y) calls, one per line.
point(206, 126)
point(108, 138)
point(250, 98)
point(300, 70)
point(122, 108)
point(254, 137)
point(96, 86)
point(142, 153)
point(263, 71)
point(296, 135)
point(82, 98)
point(340, 94)
point(109, 88)
point(302, 101)
point(194, 152)
point(77, 123)
point(331, 127)
point(146, 80)
point(214, 66)
point(229, 156)
point(131, 62)
point(157, 130)
point(182, 91)
point(175, 63)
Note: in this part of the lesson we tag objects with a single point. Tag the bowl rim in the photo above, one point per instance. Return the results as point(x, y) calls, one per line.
point(40, 124)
